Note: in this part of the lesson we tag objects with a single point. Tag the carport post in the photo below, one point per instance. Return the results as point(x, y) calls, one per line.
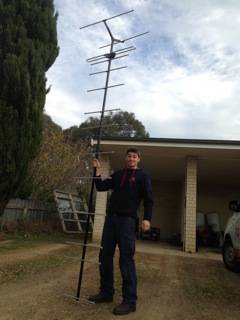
point(189, 243)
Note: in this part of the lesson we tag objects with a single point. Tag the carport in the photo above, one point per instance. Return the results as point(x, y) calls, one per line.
point(187, 176)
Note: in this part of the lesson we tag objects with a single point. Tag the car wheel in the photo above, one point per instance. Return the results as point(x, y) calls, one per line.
point(229, 257)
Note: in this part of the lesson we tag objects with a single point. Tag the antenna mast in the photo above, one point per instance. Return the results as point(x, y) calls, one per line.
point(108, 58)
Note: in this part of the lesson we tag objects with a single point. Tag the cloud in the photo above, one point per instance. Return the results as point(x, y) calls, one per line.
point(63, 104)
point(183, 79)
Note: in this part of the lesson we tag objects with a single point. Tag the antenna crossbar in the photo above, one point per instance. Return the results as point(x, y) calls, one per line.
point(124, 40)
point(116, 52)
point(92, 64)
point(102, 21)
point(109, 110)
point(114, 69)
point(104, 88)
point(110, 56)
point(103, 126)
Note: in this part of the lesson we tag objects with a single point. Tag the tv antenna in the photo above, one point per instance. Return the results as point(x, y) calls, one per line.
point(109, 58)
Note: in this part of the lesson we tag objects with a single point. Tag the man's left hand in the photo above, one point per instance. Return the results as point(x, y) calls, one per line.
point(146, 225)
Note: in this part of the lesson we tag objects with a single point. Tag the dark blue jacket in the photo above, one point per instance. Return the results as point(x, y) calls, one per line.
point(129, 187)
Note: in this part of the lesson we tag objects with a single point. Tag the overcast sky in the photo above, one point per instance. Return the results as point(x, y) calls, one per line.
point(183, 81)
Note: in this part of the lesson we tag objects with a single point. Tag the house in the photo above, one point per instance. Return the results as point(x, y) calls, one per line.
point(188, 176)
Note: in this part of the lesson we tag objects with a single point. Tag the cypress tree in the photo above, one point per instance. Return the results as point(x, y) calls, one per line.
point(28, 47)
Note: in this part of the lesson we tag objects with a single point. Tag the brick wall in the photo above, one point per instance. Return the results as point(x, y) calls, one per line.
point(167, 207)
point(190, 205)
point(183, 209)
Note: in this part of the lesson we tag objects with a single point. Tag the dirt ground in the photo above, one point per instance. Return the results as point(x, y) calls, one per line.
point(34, 283)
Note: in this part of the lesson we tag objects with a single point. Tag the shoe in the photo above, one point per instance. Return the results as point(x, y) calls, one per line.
point(100, 298)
point(124, 308)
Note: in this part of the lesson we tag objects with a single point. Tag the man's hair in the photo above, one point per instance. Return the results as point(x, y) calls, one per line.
point(134, 150)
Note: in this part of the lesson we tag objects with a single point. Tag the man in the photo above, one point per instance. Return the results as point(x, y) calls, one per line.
point(130, 186)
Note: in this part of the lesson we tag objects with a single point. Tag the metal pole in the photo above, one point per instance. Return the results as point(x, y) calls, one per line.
point(105, 91)
point(90, 202)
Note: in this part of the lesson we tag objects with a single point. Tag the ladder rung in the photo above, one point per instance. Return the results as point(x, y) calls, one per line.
point(65, 210)
point(79, 232)
point(76, 212)
point(73, 220)
point(93, 178)
point(69, 257)
point(63, 197)
point(57, 192)
point(90, 213)
point(84, 245)
point(82, 260)
point(78, 300)
point(90, 261)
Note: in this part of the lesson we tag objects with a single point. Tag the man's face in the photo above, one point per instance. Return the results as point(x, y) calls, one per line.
point(132, 160)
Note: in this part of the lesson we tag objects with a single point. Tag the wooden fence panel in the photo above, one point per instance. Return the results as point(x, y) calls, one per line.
point(28, 211)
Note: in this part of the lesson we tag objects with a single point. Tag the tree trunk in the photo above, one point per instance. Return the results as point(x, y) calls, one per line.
point(3, 204)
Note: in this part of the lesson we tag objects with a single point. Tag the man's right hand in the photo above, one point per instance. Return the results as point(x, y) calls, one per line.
point(97, 165)
point(146, 225)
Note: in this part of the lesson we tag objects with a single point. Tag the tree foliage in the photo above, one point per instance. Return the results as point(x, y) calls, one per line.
point(28, 47)
point(121, 124)
point(58, 164)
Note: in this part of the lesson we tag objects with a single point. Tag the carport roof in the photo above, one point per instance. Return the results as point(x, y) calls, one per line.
point(174, 141)
point(164, 158)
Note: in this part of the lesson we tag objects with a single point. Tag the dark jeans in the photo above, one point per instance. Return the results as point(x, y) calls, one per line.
point(121, 231)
